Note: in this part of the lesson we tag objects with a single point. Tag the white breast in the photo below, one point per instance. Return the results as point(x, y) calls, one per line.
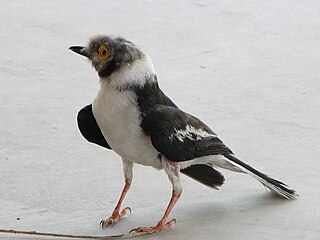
point(118, 117)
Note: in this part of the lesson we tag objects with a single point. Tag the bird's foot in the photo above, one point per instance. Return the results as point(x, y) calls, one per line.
point(160, 226)
point(115, 217)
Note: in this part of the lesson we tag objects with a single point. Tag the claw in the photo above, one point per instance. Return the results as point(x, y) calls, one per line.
point(114, 218)
point(160, 226)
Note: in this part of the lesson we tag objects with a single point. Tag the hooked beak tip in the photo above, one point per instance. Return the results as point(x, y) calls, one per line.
point(79, 49)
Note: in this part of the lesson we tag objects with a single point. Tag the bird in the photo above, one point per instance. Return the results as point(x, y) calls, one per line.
point(132, 116)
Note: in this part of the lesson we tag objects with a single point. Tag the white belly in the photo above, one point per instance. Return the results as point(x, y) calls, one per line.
point(118, 117)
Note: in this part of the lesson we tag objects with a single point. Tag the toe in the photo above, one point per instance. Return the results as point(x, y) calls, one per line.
point(114, 218)
point(170, 223)
point(160, 226)
point(107, 222)
point(125, 211)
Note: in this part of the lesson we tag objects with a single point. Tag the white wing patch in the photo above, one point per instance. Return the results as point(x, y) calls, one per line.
point(190, 133)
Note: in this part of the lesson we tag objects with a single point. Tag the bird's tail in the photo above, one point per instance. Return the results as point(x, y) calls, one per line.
point(205, 175)
point(276, 186)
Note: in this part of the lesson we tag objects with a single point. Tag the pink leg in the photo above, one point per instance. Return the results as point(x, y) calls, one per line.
point(116, 214)
point(173, 170)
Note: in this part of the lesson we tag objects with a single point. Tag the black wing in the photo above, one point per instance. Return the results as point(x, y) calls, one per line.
point(89, 128)
point(180, 136)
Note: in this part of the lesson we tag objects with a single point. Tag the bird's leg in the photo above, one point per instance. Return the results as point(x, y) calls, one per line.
point(116, 214)
point(173, 171)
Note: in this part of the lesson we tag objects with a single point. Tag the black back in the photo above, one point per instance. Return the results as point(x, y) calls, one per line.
point(148, 97)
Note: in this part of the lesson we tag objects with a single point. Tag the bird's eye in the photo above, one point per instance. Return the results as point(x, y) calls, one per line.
point(103, 52)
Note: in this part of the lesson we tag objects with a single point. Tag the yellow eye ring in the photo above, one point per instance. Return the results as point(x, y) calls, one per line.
point(103, 52)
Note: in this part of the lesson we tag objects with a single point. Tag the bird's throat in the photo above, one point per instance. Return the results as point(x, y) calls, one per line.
point(110, 68)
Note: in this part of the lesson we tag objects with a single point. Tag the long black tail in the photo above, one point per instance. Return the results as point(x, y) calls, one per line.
point(278, 187)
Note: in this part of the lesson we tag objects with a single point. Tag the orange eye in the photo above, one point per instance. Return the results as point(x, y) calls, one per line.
point(103, 52)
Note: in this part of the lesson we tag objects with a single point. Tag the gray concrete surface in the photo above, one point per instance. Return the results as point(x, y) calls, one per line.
point(249, 69)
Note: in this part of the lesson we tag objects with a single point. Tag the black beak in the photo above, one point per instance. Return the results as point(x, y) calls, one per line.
point(80, 50)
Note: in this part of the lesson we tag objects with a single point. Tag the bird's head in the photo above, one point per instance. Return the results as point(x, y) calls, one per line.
point(109, 54)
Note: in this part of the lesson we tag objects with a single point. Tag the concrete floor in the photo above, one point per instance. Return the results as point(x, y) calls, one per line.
point(249, 69)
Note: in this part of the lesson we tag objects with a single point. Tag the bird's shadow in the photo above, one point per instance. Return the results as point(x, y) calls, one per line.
point(216, 210)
